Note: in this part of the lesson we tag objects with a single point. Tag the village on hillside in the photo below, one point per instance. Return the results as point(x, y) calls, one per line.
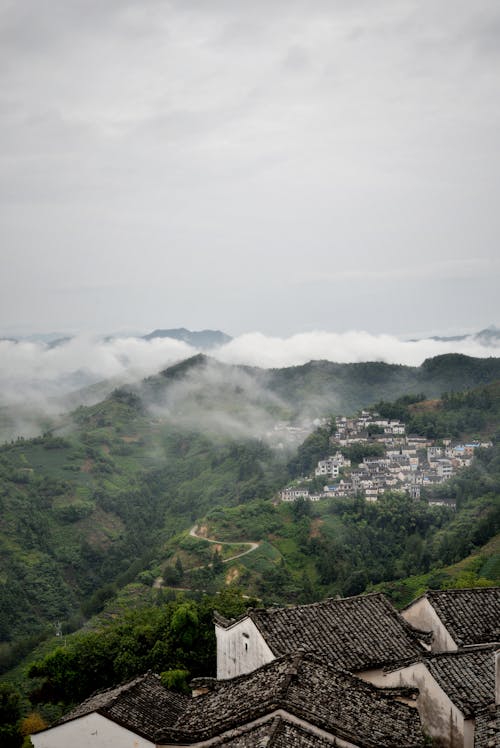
point(406, 462)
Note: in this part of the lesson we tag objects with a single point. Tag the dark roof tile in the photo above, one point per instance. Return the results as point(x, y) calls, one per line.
point(487, 732)
point(472, 616)
point(141, 705)
point(468, 677)
point(355, 633)
point(302, 685)
point(275, 732)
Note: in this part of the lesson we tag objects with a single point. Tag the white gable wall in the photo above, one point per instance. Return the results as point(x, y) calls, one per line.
point(241, 648)
point(422, 615)
point(91, 730)
point(441, 719)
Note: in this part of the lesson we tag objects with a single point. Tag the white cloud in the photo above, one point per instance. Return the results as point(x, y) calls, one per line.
point(34, 371)
point(37, 380)
point(256, 349)
point(38, 370)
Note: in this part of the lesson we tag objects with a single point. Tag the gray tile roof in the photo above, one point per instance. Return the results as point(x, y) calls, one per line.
point(304, 686)
point(468, 677)
point(487, 732)
point(355, 633)
point(142, 705)
point(275, 732)
point(472, 616)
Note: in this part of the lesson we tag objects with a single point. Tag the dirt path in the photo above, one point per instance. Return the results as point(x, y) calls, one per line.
point(252, 546)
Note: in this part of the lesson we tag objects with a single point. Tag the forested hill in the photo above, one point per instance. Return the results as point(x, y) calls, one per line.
point(259, 397)
point(319, 387)
point(353, 386)
point(92, 507)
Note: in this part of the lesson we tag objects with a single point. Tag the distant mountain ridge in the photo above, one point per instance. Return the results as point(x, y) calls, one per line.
point(204, 339)
point(489, 336)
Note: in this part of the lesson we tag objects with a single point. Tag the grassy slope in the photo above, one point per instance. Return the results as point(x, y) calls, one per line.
point(480, 568)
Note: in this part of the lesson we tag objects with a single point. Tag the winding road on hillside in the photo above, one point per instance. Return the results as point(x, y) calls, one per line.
point(252, 546)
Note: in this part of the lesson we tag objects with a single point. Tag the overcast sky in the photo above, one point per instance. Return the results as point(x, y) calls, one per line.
point(278, 166)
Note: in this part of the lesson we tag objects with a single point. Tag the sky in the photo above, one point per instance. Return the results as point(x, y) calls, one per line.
point(274, 167)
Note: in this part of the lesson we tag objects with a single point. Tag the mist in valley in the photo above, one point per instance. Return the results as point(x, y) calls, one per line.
point(232, 393)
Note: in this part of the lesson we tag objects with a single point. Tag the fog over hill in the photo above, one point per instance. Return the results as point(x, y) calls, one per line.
point(40, 379)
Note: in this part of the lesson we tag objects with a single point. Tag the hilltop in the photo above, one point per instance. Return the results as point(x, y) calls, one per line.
point(204, 339)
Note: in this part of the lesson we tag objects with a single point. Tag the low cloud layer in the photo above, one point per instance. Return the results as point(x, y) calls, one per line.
point(227, 401)
point(255, 349)
point(35, 371)
point(38, 381)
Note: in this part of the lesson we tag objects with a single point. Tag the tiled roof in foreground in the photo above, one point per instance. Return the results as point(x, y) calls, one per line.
point(472, 616)
point(354, 633)
point(468, 677)
point(142, 705)
point(487, 727)
point(275, 732)
point(303, 687)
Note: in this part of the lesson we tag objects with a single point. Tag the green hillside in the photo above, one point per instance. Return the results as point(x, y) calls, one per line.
point(480, 568)
point(96, 506)
point(349, 387)
point(83, 514)
point(344, 547)
point(119, 524)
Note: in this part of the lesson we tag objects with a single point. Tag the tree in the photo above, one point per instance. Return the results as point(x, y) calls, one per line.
point(10, 712)
point(179, 567)
point(177, 680)
point(217, 563)
point(34, 722)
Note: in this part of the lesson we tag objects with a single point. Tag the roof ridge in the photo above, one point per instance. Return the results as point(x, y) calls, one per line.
point(217, 684)
point(275, 729)
point(451, 590)
point(291, 674)
point(317, 603)
point(458, 590)
point(119, 688)
point(279, 695)
point(473, 649)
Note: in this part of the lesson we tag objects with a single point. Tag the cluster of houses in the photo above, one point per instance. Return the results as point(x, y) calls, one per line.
point(409, 463)
point(350, 672)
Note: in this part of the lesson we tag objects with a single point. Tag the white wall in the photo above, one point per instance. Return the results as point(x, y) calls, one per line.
point(422, 615)
point(441, 719)
point(497, 677)
point(91, 730)
point(240, 649)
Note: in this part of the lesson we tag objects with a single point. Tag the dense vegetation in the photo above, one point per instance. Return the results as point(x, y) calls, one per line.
point(348, 545)
point(83, 515)
point(345, 388)
point(472, 412)
point(95, 513)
